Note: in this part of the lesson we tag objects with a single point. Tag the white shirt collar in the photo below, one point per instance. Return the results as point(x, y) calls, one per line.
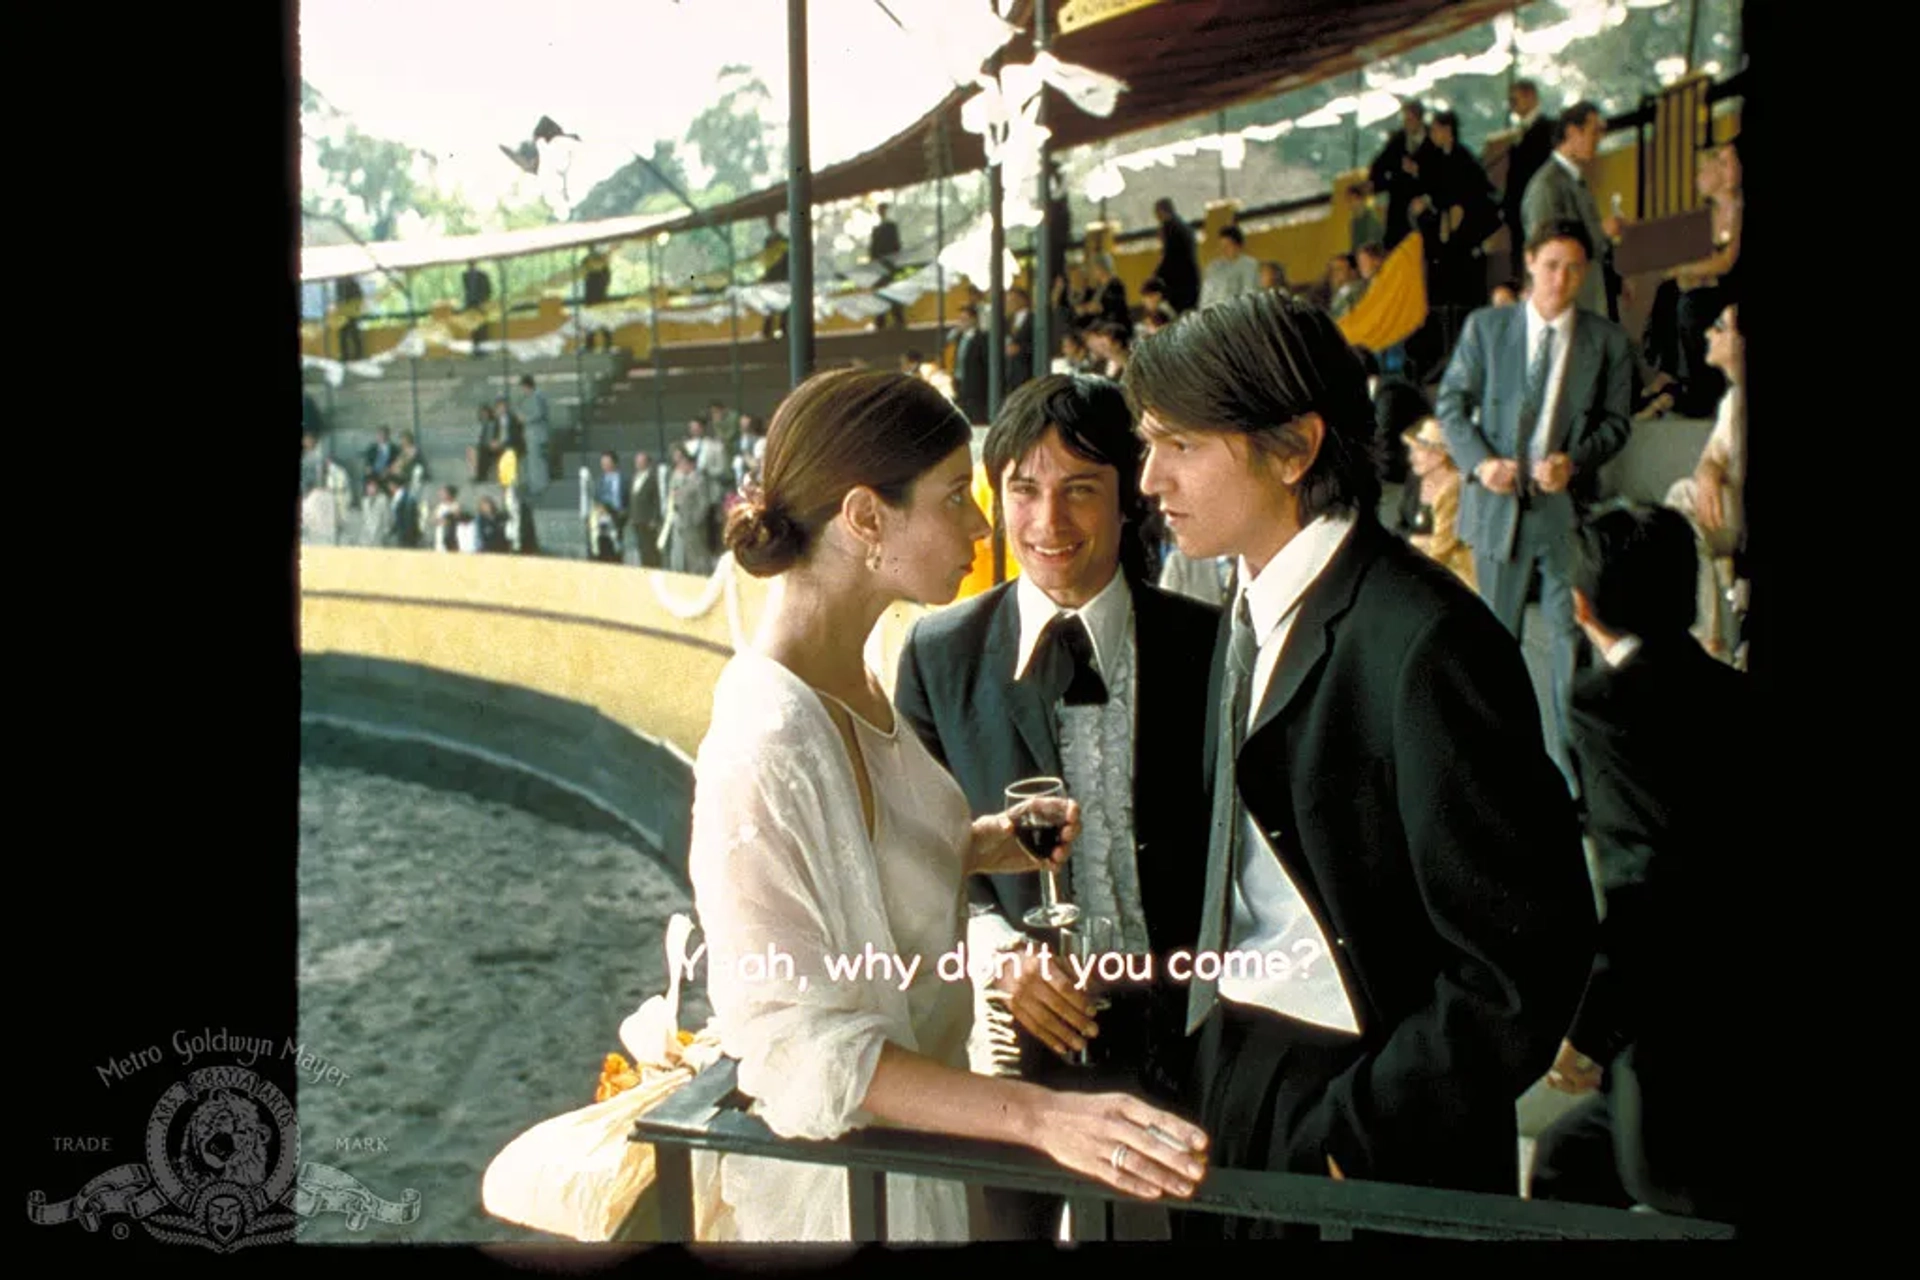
point(1526, 121)
point(1569, 166)
point(1562, 326)
point(1622, 649)
point(1273, 594)
point(1108, 617)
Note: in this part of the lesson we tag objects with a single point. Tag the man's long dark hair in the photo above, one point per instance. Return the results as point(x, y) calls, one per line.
point(1094, 423)
point(1255, 366)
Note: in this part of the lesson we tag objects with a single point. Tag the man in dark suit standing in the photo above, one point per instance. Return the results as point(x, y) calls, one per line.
point(1397, 918)
point(1662, 739)
point(478, 288)
point(1529, 151)
point(1020, 354)
point(970, 366)
point(1403, 169)
point(1558, 192)
point(646, 510)
point(883, 251)
point(1179, 266)
point(1536, 398)
point(1081, 670)
point(596, 280)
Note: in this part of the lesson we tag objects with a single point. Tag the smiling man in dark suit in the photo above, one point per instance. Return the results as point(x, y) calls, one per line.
point(1385, 819)
point(1077, 669)
point(1536, 398)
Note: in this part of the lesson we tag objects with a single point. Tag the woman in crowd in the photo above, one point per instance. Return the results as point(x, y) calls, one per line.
point(1435, 482)
point(822, 829)
point(689, 516)
point(1693, 295)
point(1109, 344)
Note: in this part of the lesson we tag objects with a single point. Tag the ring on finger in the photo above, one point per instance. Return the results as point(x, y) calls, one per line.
point(1119, 1157)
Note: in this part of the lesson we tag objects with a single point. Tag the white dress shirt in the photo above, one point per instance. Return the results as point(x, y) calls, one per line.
point(1228, 278)
point(1096, 757)
point(1556, 374)
point(1270, 914)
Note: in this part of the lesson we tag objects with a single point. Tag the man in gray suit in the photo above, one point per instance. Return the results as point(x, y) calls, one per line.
point(1558, 192)
point(1536, 399)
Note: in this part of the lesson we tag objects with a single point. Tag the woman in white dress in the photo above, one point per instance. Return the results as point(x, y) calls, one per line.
point(822, 831)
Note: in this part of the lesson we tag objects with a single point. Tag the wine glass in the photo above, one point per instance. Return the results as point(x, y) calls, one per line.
point(1039, 831)
point(1081, 945)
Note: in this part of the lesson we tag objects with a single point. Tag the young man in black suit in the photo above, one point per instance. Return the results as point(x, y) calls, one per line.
point(1081, 670)
point(1019, 367)
point(1403, 169)
point(1533, 148)
point(1389, 843)
point(1179, 266)
point(970, 365)
point(1662, 738)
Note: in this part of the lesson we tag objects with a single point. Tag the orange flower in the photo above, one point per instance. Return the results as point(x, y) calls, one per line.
point(616, 1076)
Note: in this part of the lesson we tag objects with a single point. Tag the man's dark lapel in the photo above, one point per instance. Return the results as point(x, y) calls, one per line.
point(1030, 715)
point(1329, 597)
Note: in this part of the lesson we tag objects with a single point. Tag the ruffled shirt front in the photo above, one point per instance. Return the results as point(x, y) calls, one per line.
point(1096, 755)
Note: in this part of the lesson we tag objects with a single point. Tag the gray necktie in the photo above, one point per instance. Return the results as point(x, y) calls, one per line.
point(1223, 846)
point(1531, 406)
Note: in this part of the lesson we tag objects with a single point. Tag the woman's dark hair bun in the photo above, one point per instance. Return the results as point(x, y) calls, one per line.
point(764, 539)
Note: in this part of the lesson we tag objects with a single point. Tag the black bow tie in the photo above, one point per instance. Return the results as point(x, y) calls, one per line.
point(1062, 663)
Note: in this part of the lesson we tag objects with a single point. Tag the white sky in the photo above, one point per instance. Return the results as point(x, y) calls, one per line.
point(460, 79)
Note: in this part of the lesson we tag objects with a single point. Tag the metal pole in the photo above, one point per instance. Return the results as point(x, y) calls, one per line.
point(1353, 134)
point(506, 368)
point(413, 361)
point(659, 357)
point(939, 248)
point(799, 200)
point(996, 328)
point(326, 350)
point(1043, 235)
point(1693, 31)
point(579, 362)
point(733, 311)
point(996, 296)
point(1220, 157)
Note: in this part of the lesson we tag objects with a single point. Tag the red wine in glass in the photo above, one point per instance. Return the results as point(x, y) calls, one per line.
point(1038, 830)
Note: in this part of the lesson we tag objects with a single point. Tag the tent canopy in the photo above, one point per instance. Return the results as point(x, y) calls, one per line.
point(1179, 59)
point(329, 262)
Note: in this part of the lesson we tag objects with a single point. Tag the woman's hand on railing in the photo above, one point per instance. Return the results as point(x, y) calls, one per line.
point(1122, 1142)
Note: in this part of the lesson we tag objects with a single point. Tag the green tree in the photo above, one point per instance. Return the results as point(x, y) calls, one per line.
point(730, 135)
point(622, 192)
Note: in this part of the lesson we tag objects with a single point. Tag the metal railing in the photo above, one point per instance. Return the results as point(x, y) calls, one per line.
point(709, 1114)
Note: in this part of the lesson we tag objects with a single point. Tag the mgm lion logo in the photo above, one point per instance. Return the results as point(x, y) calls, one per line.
point(223, 1171)
point(223, 1147)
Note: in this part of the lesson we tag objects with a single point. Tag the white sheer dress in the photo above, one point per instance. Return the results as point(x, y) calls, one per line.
point(782, 866)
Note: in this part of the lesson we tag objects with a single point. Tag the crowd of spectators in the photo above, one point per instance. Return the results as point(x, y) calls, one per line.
point(668, 513)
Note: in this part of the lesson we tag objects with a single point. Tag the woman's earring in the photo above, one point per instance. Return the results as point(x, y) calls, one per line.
point(873, 557)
